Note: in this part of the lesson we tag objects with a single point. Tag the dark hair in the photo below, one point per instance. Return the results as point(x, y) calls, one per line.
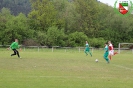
point(106, 42)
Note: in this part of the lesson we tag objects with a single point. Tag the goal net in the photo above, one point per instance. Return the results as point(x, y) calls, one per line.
point(125, 47)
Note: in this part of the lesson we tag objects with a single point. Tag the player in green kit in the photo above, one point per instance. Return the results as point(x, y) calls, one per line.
point(14, 46)
point(106, 53)
point(87, 49)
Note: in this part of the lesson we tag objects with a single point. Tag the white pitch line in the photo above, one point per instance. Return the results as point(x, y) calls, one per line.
point(120, 66)
point(123, 67)
point(56, 77)
point(78, 77)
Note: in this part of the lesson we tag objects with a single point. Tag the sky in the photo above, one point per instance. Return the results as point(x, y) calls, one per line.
point(112, 2)
point(109, 2)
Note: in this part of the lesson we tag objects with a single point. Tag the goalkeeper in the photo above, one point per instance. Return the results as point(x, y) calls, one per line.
point(14, 46)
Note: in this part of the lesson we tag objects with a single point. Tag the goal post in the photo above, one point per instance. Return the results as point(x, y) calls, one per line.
point(125, 46)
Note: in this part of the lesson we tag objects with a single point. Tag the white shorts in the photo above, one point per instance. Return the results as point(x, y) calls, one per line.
point(111, 52)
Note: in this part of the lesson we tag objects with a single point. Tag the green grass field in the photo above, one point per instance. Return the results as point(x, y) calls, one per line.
point(60, 69)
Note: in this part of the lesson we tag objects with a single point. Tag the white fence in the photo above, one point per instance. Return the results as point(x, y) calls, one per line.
point(51, 49)
point(66, 49)
point(54, 48)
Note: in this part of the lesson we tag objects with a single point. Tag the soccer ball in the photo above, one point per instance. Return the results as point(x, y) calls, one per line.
point(96, 60)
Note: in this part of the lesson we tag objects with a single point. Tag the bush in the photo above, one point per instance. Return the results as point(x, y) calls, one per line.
point(97, 42)
point(76, 39)
point(30, 42)
point(55, 37)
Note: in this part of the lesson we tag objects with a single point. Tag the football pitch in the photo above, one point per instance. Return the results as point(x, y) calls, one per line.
point(60, 69)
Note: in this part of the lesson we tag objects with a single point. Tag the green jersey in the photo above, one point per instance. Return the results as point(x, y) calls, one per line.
point(14, 45)
point(106, 49)
point(87, 47)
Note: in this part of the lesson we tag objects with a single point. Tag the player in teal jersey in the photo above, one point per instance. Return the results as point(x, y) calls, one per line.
point(106, 53)
point(87, 49)
point(14, 46)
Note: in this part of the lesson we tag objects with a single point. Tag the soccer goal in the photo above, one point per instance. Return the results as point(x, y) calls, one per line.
point(125, 47)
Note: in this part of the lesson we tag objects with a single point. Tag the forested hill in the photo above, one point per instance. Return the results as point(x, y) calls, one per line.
point(16, 6)
point(63, 23)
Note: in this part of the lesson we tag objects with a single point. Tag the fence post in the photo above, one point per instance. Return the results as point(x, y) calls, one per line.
point(65, 49)
point(38, 48)
point(92, 49)
point(52, 49)
point(119, 48)
point(24, 48)
point(79, 49)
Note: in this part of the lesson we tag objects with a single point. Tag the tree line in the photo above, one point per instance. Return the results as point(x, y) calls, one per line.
point(65, 23)
point(16, 6)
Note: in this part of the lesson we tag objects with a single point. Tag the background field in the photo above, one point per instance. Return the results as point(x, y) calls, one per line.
point(61, 69)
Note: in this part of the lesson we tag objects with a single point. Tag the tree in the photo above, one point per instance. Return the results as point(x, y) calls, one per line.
point(97, 42)
point(41, 37)
point(55, 37)
point(17, 27)
point(44, 13)
point(76, 39)
point(87, 22)
point(5, 15)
